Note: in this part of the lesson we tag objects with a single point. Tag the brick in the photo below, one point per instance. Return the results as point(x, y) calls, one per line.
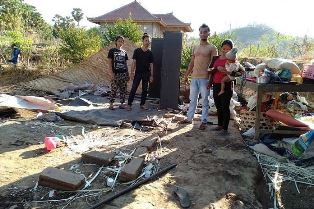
point(60, 179)
point(131, 170)
point(141, 152)
point(149, 143)
point(99, 158)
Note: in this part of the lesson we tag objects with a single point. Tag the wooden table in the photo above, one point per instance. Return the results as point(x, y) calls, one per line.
point(264, 88)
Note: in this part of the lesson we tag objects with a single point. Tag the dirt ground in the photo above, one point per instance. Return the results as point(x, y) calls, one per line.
point(218, 172)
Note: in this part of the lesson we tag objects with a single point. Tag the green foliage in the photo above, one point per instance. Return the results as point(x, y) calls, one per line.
point(19, 16)
point(78, 43)
point(77, 15)
point(61, 23)
point(126, 28)
point(217, 39)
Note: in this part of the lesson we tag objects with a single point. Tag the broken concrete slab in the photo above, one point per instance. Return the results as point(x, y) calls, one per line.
point(99, 158)
point(149, 143)
point(141, 152)
point(80, 102)
point(131, 170)
point(61, 179)
point(106, 117)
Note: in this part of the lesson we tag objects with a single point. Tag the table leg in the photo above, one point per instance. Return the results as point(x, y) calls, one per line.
point(258, 114)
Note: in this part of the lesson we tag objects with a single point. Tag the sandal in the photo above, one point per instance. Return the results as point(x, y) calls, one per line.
point(183, 197)
point(111, 106)
point(202, 127)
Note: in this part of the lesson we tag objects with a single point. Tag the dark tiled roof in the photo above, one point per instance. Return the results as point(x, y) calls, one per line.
point(170, 19)
point(133, 10)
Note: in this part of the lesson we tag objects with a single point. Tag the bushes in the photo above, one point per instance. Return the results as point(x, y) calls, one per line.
point(78, 43)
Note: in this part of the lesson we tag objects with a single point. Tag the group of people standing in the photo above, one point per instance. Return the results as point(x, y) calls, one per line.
point(202, 79)
point(141, 70)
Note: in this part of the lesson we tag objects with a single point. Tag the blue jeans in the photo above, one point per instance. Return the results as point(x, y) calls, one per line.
point(197, 86)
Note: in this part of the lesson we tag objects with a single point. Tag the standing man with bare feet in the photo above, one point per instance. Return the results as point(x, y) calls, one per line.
point(202, 56)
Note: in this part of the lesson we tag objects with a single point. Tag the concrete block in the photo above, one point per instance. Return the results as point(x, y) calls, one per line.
point(99, 158)
point(131, 170)
point(141, 152)
point(149, 143)
point(60, 179)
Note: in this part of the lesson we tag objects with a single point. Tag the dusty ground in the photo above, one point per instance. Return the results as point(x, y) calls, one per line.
point(215, 171)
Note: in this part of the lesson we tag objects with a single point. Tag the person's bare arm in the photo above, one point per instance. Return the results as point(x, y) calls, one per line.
point(190, 68)
point(151, 72)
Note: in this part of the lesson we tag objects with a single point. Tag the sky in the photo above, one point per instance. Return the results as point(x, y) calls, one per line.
point(290, 17)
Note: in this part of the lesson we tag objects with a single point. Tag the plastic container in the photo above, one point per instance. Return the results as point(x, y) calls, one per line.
point(303, 143)
point(51, 143)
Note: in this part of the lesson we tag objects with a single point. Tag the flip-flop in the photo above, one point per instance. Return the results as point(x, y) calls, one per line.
point(183, 197)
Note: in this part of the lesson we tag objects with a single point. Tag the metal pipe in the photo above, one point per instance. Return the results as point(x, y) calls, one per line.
point(159, 173)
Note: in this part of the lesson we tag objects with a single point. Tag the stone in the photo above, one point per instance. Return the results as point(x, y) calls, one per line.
point(61, 179)
point(141, 152)
point(149, 143)
point(99, 158)
point(131, 170)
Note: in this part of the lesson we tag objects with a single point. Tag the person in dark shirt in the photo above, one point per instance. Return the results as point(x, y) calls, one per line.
point(142, 70)
point(15, 54)
point(119, 72)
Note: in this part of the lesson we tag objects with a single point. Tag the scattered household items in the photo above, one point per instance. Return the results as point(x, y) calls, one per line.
point(302, 143)
point(51, 142)
point(286, 119)
point(27, 102)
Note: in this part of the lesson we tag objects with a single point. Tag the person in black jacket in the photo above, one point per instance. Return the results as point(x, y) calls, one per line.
point(142, 70)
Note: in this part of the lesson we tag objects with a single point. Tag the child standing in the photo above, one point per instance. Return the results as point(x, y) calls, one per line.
point(232, 67)
point(119, 72)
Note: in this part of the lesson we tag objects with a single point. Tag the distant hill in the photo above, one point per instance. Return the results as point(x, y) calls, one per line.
point(251, 34)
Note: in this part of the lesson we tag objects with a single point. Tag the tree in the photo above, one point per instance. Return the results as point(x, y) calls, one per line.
point(17, 15)
point(126, 28)
point(78, 43)
point(77, 15)
point(61, 23)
